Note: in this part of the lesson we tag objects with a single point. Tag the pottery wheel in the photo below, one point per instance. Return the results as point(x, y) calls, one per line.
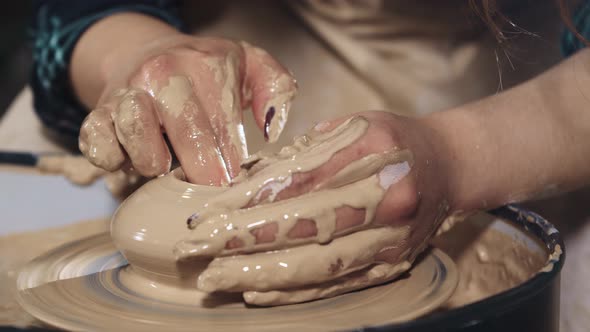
point(82, 286)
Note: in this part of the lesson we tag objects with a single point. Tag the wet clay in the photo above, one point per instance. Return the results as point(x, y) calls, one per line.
point(150, 236)
point(489, 261)
point(136, 126)
point(495, 262)
point(279, 105)
point(361, 185)
point(371, 276)
point(554, 257)
point(178, 105)
point(230, 103)
point(175, 96)
point(462, 243)
point(337, 259)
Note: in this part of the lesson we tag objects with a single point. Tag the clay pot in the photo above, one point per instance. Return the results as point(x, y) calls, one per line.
point(145, 227)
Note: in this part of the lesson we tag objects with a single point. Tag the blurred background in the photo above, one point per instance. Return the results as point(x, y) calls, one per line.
point(15, 56)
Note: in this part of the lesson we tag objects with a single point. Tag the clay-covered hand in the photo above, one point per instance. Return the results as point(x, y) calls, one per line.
point(347, 206)
point(194, 90)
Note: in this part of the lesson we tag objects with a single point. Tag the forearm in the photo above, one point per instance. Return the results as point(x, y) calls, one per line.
point(111, 41)
point(524, 143)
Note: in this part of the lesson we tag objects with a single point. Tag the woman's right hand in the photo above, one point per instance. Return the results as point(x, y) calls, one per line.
point(194, 90)
point(349, 205)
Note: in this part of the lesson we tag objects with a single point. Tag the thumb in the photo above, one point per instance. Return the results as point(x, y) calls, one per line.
point(269, 88)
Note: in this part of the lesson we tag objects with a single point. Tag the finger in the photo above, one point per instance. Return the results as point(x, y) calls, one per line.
point(271, 89)
point(293, 268)
point(138, 130)
point(265, 183)
point(318, 161)
point(190, 133)
point(342, 169)
point(98, 140)
point(330, 212)
point(219, 95)
point(371, 276)
point(369, 151)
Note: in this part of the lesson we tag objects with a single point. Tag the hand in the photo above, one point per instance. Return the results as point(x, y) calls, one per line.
point(348, 206)
point(194, 90)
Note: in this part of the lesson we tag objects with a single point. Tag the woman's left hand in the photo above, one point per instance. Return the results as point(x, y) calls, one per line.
point(348, 206)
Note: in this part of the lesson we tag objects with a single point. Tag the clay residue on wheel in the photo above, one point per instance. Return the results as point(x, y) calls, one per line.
point(489, 261)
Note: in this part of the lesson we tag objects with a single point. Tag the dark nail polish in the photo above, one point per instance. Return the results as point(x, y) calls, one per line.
point(269, 115)
point(189, 221)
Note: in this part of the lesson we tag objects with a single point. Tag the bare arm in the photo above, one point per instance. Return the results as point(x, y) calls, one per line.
point(525, 143)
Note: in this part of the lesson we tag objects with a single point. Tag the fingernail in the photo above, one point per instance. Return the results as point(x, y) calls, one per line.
point(268, 118)
point(190, 221)
point(391, 174)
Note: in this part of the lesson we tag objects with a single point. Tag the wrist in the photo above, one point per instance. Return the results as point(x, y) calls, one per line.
point(462, 140)
point(107, 45)
point(146, 35)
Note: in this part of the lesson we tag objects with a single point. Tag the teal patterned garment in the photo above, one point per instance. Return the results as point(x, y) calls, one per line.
point(570, 43)
point(56, 27)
